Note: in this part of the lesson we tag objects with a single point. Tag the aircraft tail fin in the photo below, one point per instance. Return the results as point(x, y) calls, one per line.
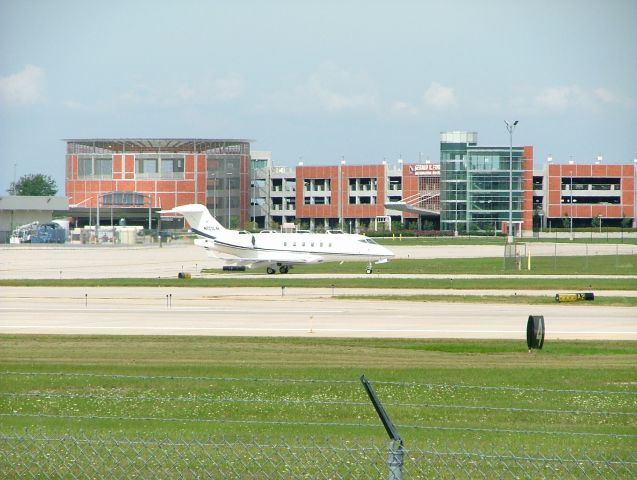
point(199, 219)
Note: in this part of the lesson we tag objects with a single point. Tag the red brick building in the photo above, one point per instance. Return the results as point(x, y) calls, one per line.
point(141, 173)
point(583, 192)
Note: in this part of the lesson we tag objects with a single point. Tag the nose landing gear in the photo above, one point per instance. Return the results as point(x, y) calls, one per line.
point(369, 268)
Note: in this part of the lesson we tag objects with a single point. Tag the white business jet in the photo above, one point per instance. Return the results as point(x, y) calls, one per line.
point(274, 249)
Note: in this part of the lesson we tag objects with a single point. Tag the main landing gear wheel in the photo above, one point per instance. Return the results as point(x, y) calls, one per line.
point(283, 269)
point(270, 270)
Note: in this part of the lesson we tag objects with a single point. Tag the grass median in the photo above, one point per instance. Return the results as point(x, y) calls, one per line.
point(576, 395)
point(397, 283)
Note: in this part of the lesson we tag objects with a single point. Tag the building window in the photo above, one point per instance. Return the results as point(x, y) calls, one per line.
point(104, 167)
point(95, 167)
point(172, 167)
point(166, 167)
point(127, 199)
point(395, 183)
point(85, 167)
point(259, 163)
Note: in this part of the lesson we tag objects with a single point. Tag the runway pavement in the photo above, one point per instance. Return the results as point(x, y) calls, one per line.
point(254, 312)
point(266, 311)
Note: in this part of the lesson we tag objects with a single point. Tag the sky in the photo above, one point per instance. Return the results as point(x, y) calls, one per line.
point(318, 81)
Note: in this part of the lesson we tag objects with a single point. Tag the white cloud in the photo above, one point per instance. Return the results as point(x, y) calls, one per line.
point(564, 98)
point(440, 97)
point(329, 89)
point(403, 108)
point(605, 95)
point(73, 105)
point(23, 88)
point(207, 90)
point(229, 87)
point(140, 92)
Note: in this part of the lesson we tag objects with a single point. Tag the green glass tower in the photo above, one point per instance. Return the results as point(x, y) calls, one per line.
point(474, 184)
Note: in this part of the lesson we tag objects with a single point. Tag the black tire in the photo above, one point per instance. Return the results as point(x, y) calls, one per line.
point(270, 270)
point(283, 269)
point(535, 332)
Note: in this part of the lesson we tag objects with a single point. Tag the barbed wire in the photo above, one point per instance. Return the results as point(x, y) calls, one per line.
point(320, 381)
point(201, 399)
point(312, 424)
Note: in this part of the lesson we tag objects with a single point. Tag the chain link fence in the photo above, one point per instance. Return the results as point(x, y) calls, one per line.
point(102, 425)
point(36, 454)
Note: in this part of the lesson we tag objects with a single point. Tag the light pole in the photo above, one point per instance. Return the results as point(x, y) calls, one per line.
point(570, 162)
point(341, 202)
point(214, 194)
point(546, 204)
point(510, 128)
point(635, 192)
point(254, 200)
point(228, 185)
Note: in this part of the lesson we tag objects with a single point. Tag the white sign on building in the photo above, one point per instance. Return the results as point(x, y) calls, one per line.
point(426, 169)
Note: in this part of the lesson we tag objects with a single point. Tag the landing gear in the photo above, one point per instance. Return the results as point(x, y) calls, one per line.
point(282, 269)
point(369, 268)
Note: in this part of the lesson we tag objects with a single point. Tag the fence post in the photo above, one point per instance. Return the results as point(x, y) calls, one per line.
point(396, 453)
point(396, 459)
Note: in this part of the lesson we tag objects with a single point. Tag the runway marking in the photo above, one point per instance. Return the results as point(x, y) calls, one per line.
point(275, 329)
point(167, 310)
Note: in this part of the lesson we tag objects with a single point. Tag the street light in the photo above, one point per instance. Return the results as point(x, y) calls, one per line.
point(635, 192)
point(228, 185)
point(570, 162)
point(341, 189)
point(214, 195)
point(510, 128)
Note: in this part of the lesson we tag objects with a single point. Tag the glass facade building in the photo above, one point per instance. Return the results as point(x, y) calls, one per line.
point(475, 185)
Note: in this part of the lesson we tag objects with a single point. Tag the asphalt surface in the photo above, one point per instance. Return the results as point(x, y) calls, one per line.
point(271, 311)
point(249, 312)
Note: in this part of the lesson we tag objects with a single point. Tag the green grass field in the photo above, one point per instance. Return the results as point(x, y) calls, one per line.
point(579, 396)
point(571, 265)
point(500, 240)
point(290, 281)
point(506, 299)
point(590, 268)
